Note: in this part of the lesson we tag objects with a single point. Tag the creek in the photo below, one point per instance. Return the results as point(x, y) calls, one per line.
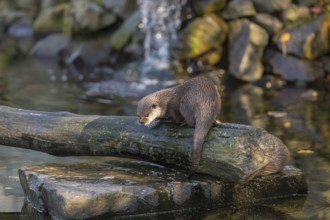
point(302, 124)
point(297, 113)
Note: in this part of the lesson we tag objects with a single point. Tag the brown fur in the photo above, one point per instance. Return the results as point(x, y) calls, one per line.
point(196, 103)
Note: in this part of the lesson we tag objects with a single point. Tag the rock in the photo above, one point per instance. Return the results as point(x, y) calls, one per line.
point(122, 35)
point(271, 6)
point(50, 19)
point(30, 6)
point(86, 59)
point(86, 16)
point(88, 53)
point(116, 88)
point(8, 17)
point(203, 38)
point(293, 69)
point(128, 83)
point(291, 180)
point(246, 46)
point(45, 4)
point(122, 187)
point(296, 15)
point(306, 2)
point(306, 41)
point(208, 6)
point(270, 23)
point(50, 46)
point(21, 29)
point(238, 8)
point(122, 8)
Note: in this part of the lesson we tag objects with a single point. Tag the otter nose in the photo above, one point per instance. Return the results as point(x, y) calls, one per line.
point(142, 121)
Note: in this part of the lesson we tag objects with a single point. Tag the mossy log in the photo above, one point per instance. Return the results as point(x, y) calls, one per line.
point(230, 151)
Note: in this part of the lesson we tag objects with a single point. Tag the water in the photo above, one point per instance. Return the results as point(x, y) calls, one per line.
point(305, 129)
point(160, 22)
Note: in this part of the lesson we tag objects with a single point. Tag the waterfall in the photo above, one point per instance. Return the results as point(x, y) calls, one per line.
point(161, 20)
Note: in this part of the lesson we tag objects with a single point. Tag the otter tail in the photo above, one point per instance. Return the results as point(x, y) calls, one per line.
point(201, 131)
point(276, 164)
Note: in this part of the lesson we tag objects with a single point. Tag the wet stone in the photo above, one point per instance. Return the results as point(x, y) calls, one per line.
point(306, 2)
point(293, 69)
point(208, 6)
point(247, 42)
point(270, 23)
point(238, 9)
point(50, 20)
point(123, 8)
point(87, 16)
point(21, 29)
point(271, 6)
point(119, 187)
point(124, 33)
point(204, 38)
point(306, 41)
point(50, 46)
point(296, 15)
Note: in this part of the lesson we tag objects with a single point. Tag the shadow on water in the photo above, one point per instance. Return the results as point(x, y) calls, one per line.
point(303, 124)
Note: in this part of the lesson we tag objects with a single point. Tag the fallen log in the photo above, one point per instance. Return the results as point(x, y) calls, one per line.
point(232, 152)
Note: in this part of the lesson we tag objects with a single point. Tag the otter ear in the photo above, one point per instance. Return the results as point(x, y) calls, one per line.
point(153, 106)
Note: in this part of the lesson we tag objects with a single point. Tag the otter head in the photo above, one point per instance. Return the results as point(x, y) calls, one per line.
point(149, 109)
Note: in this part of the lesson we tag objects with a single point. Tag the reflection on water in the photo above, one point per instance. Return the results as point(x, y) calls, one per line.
point(11, 159)
point(303, 124)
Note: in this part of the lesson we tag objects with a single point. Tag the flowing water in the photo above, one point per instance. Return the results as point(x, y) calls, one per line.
point(160, 22)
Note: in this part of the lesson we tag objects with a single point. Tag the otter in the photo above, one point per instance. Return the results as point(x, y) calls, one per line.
point(196, 102)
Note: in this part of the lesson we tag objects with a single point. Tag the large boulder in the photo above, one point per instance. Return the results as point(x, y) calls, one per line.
point(271, 6)
point(247, 42)
point(10, 15)
point(30, 6)
point(50, 46)
point(50, 19)
point(21, 29)
point(204, 38)
point(124, 33)
point(296, 15)
point(269, 22)
point(87, 16)
point(293, 69)
point(208, 6)
point(306, 41)
point(122, 8)
point(238, 8)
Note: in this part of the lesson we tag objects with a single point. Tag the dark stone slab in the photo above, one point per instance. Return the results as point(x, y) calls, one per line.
point(130, 187)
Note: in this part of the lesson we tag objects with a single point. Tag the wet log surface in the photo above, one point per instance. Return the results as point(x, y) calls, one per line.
point(231, 151)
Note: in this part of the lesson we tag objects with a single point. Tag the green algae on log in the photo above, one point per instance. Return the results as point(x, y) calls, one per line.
point(125, 187)
point(232, 152)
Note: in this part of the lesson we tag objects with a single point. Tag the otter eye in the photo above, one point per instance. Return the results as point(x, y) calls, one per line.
point(154, 106)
